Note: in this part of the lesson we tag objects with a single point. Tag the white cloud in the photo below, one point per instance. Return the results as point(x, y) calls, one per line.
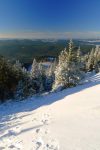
point(56, 35)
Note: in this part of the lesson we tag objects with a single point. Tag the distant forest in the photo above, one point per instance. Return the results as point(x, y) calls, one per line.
point(26, 50)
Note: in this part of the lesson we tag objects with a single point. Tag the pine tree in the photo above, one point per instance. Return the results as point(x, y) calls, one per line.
point(79, 55)
point(18, 69)
point(9, 78)
point(93, 62)
point(97, 59)
point(50, 76)
point(35, 70)
point(68, 72)
point(42, 77)
point(25, 88)
point(37, 75)
point(91, 59)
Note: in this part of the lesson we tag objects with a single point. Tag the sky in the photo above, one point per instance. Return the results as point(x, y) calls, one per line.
point(37, 19)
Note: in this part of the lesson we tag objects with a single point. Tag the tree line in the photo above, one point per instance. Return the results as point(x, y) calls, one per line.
point(18, 83)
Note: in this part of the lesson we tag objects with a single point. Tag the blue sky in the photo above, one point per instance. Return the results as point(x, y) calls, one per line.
point(49, 18)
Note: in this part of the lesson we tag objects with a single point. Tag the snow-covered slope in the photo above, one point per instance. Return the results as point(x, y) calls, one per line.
point(92, 77)
point(68, 120)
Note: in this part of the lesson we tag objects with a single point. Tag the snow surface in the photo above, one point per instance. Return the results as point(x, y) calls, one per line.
point(67, 120)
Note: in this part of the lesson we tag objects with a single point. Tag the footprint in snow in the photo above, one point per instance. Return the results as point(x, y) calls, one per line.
point(12, 146)
point(47, 131)
point(45, 121)
point(37, 130)
point(16, 146)
point(52, 145)
point(2, 148)
point(34, 119)
point(38, 144)
point(42, 131)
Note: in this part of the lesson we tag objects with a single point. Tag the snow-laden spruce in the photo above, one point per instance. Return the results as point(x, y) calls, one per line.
point(68, 71)
point(93, 62)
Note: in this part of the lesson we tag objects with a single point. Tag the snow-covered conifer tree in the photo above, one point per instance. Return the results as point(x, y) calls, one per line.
point(50, 76)
point(91, 59)
point(97, 59)
point(37, 74)
point(67, 72)
point(35, 70)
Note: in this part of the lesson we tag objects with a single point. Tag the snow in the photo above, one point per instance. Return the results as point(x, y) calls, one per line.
point(66, 120)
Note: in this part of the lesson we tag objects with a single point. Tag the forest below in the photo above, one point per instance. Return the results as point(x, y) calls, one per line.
point(26, 50)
